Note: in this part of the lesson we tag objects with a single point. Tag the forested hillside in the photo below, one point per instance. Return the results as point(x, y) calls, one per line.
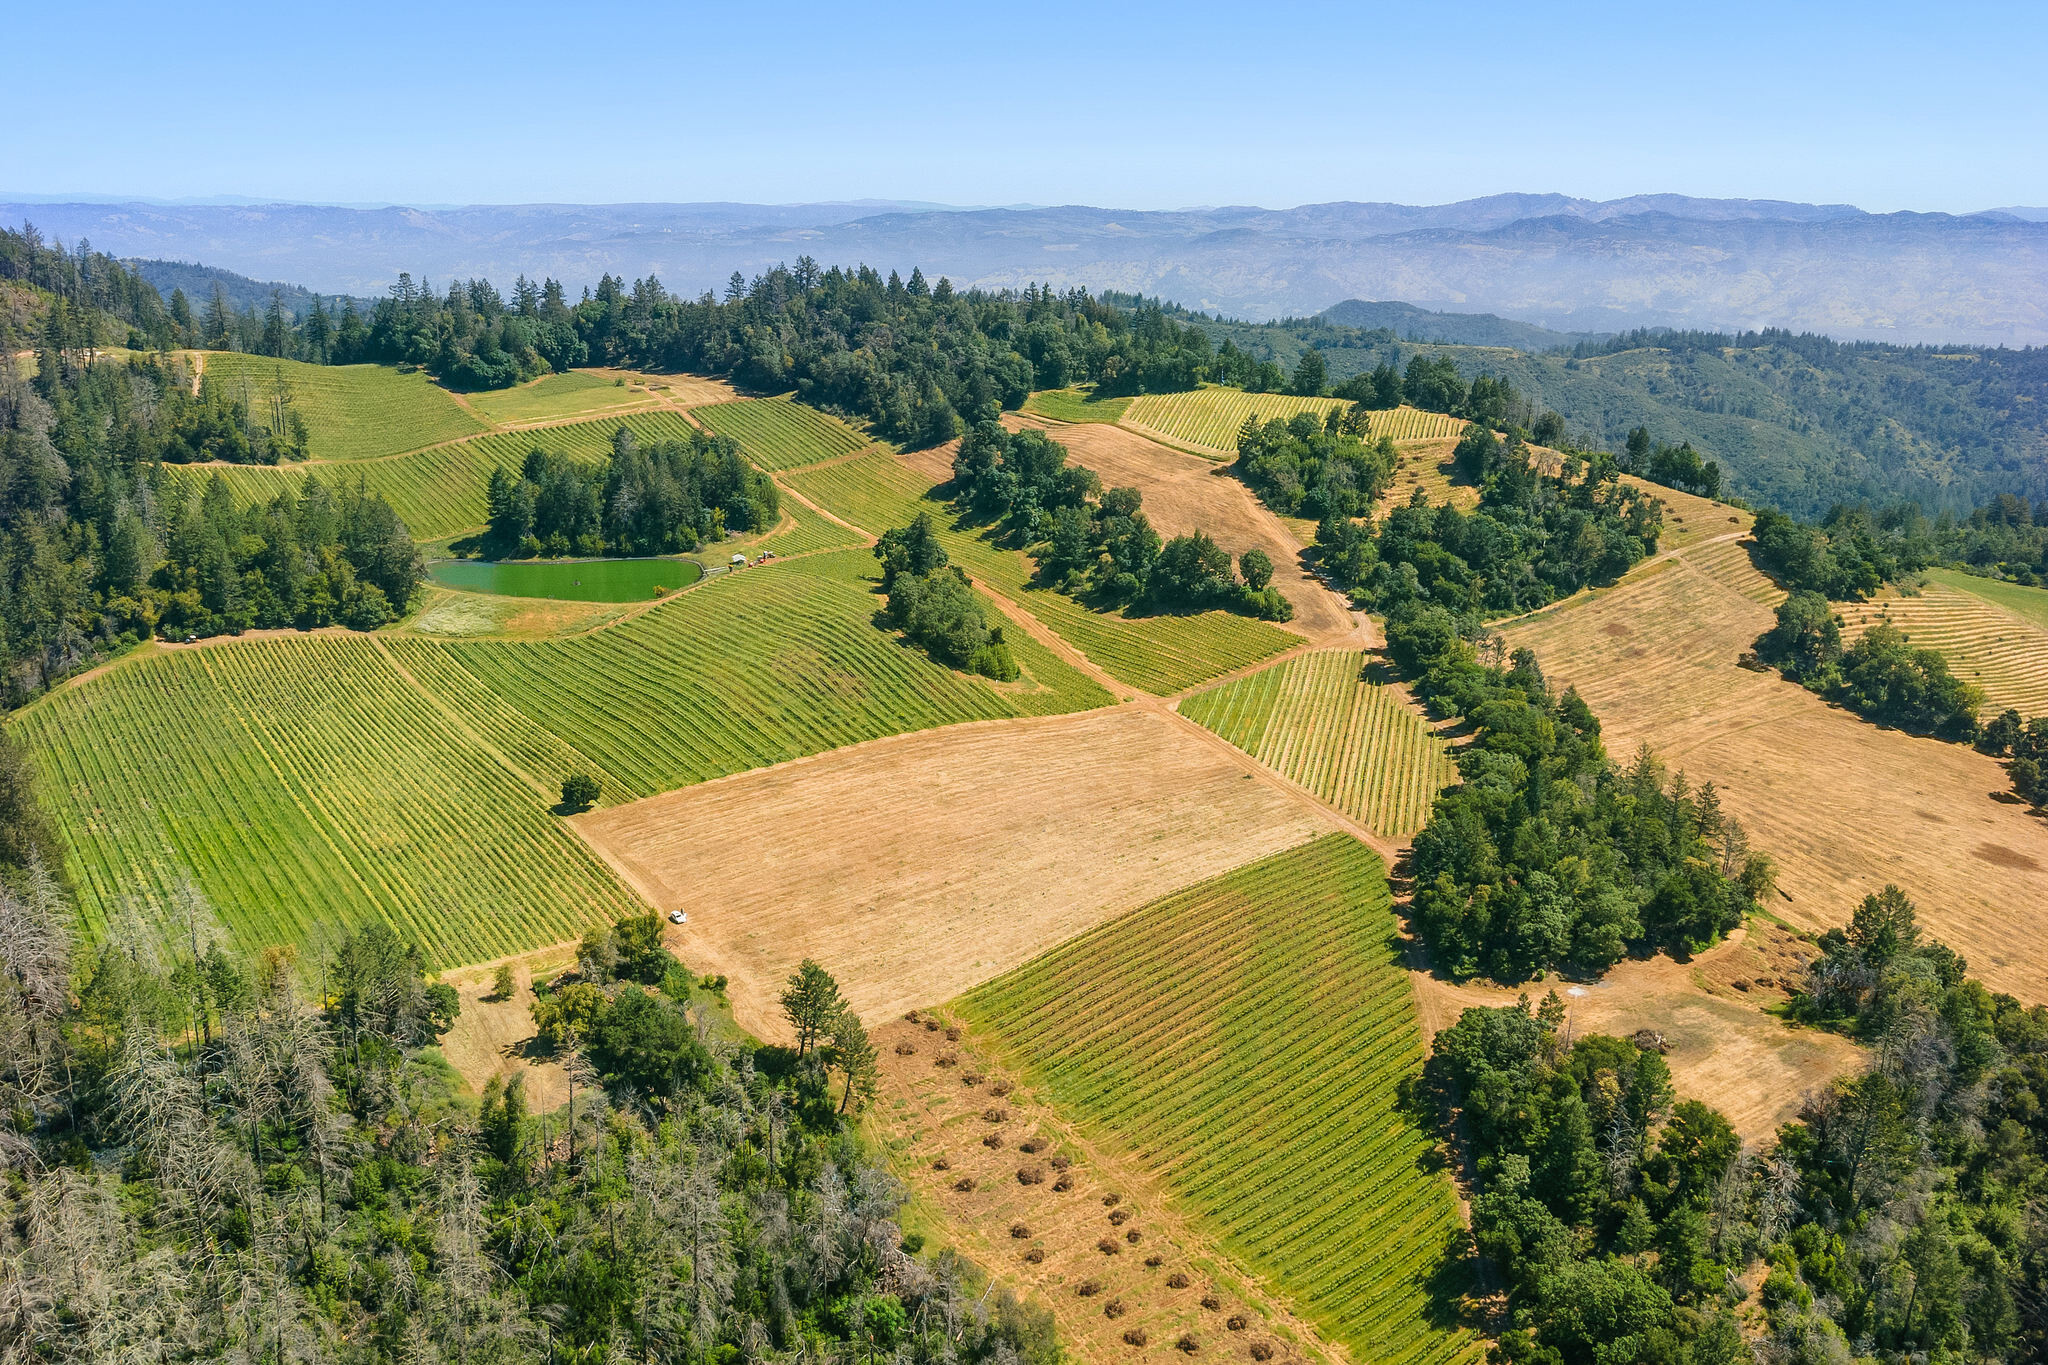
point(1800, 422)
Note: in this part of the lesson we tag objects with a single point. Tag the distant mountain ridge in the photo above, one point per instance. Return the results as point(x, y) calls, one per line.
point(1409, 323)
point(1558, 262)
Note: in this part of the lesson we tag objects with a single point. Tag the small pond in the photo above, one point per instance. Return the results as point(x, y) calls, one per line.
point(569, 580)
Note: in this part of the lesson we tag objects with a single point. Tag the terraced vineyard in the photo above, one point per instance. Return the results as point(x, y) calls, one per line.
point(2003, 653)
point(779, 434)
point(1355, 744)
point(1427, 467)
point(802, 531)
point(315, 779)
point(1208, 419)
point(440, 491)
point(575, 394)
point(355, 412)
point(754, 668)
point(304, 786)
point(1161, 654)
point(2029, 604)
point(1245, 1040)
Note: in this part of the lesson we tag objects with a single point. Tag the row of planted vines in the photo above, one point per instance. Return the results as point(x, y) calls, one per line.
point(1161, 654)
point(302, 785)
point(439, 491)
point(776, 433)
point(1356, 744)
point(308, 782)
point(1246, 1040)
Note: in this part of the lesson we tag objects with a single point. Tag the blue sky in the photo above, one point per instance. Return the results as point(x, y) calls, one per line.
point(1888, 106)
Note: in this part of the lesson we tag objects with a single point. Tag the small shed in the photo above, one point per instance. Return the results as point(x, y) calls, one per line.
point(739, 561)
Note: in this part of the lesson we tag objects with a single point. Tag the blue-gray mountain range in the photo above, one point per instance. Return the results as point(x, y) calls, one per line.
point(1573, 265)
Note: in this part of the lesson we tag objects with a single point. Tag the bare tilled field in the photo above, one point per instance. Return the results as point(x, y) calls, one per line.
point(1843, 805)
point(918, 866)
point(1185, 493)
point(1017, 1190)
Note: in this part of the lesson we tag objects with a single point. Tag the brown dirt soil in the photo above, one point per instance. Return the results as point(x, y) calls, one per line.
point(1724, 1049)
point(490, 1037)
point(1842, 805)
point(916, 866)
point(925, 1113)
point(681, 390)
point(1184, 493)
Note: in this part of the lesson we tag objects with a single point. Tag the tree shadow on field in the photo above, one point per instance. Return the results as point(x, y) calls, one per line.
point(1450, 1284)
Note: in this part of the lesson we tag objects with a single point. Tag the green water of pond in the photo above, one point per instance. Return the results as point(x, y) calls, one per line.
point(575, 580)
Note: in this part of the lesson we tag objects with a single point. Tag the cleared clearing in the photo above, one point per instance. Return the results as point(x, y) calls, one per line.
point(1185, 493)
point(1075, 405)
point(1160, 654)
point(1843, 805)
point(915, 867)
point(1999, 650)
point(1245, 1042)
point(355, 412)
point(1724, 1047)
point(777, 434)
point(1358, 745)
point(579, 393)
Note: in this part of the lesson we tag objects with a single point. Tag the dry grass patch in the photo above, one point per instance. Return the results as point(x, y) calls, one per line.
point(493, 1038)
point(1186, 493)
point(1723, 1047)
point(1843, 805)
point(914, 868)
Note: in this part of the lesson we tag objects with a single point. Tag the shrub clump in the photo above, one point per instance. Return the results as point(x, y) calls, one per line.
point(1030, 1175)
point(1134, 1236)
point(1063, 1184)
point(1019, 1231)
point(1177, 1280)
point(991, 1140)
point(1136, 1336)
point(965, 1184)
point(1088, 1289)
point(1262, 1350)
point(941, 1164)
point(1187, 1343)
point(1211, 1302)
point(1107, 1247)
point(1236, 1322)
point(1113, 1309)
point(1034, 1256)
point(1109, 1199)
point(996, 1114)
point(1155, 1260)
point(906, 1049)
